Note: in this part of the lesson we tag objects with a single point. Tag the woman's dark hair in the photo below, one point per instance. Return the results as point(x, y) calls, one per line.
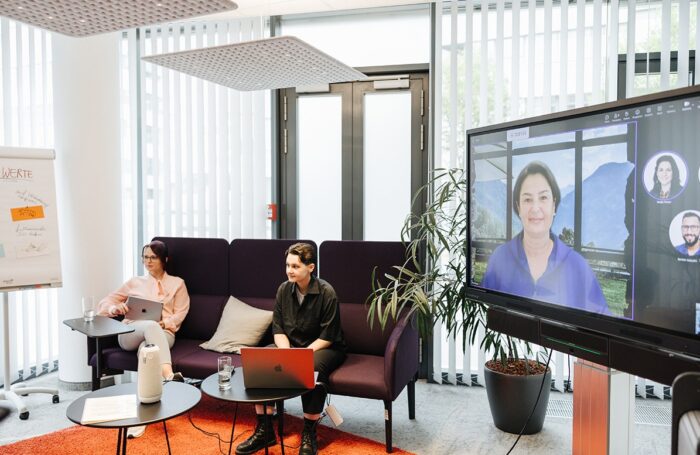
point(533, 168)
point(159, 248)
point(675, 180)
point(306, 253)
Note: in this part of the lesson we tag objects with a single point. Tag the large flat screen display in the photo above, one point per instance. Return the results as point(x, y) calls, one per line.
point(592, 217)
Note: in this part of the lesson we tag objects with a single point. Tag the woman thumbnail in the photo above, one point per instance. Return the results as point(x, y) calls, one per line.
point(536, 263)
point(667, 180)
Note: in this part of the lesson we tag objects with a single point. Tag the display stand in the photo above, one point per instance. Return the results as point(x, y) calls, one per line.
point(603, 410)
point(12, 392)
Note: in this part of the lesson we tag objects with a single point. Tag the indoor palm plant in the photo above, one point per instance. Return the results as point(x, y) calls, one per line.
point(431, 286)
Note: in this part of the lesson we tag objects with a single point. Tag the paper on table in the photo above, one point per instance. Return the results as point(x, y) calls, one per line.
point(109, 408)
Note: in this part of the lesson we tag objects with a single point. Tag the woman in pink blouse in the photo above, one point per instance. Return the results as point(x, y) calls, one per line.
point(156, 285)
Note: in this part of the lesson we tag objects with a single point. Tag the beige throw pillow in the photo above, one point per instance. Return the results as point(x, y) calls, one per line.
point(240, 325)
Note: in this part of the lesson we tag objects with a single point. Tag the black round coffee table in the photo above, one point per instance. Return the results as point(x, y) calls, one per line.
point(177, 399)
point(238, 394)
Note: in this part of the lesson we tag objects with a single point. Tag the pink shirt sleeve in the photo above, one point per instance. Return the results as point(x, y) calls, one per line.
point(118, 296)
point(170, 290)
point(175, 308)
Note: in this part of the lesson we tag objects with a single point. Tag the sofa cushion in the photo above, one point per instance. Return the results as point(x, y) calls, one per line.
point(360, 376)
point(257, 266)
point(202, 263)
point(358, 336)
point(201, 363)
point(348, 265)
point(240, 325)
point(202, 319)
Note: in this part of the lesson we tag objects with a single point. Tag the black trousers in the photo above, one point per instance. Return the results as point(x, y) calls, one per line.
point(325, 361)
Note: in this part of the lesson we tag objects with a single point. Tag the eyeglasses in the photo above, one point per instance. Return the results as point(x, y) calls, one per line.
point(686, 227)
point(149, 258)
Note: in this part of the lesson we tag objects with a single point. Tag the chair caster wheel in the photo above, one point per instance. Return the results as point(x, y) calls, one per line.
point(24, 394)
point(24, 415)
point(54, 399)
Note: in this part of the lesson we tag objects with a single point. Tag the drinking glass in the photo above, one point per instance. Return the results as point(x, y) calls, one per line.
point(225, 371)
point(88, 303)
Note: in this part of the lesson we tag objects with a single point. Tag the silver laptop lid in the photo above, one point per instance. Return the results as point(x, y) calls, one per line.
point(141, 309)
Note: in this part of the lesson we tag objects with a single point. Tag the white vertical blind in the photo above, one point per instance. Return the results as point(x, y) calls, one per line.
point(515, 64)
point(612, 37)
point(26, 120)
point(683, 42)
point(563, 55)
point(436, 72)
point(580, 49)
point(665, 44)
point(597, 73)
point(548, 57)
point(500, 44)
point(531, 60)
point(631, 22)
point(203, 146)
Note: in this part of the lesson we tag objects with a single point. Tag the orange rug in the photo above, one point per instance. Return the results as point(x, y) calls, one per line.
point(210, 415)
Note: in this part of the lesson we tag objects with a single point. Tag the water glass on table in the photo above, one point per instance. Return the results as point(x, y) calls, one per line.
point(225, 371)
point(88, 308)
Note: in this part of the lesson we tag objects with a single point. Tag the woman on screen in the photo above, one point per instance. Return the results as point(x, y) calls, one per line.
point(536, 264)
point(667, 180)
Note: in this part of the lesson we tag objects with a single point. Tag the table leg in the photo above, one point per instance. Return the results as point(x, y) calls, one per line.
point(167, 440)
point(268, 423)
point(119, 440)
point(233, 427)
point(98, 366)
point(124, 439)
point(280, 423)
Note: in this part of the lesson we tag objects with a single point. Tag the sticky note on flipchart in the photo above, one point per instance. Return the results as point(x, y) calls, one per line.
point(27, 213)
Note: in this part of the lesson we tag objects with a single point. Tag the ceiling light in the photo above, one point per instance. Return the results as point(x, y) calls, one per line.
point(90, 17)
point(258, 64)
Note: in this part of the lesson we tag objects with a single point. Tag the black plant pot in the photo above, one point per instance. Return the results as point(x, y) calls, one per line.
point(511, 399)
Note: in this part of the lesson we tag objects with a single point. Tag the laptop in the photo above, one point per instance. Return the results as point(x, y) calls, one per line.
point(278, 368)
point(141, 309)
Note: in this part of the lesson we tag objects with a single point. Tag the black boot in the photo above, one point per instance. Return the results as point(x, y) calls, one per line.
point(263, 436)
point(309, 446)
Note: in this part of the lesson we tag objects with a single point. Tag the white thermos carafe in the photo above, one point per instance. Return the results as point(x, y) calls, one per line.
point(149, 383)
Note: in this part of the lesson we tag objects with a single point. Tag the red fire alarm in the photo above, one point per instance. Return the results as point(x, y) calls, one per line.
point(272, 212)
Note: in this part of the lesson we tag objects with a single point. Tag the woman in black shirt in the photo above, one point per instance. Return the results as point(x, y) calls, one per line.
point(306, 315)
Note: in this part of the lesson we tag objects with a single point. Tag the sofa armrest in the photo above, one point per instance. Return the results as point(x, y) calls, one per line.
point(401, 356)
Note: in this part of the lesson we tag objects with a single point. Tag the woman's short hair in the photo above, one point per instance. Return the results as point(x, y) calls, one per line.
point(159, 248)
point(533, 168)
point(306, 253)
point(674, 167)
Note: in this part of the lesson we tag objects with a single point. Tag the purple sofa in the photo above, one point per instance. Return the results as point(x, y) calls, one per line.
point(380, 364)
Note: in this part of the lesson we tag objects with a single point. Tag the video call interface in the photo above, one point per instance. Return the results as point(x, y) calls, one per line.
point(600, 213)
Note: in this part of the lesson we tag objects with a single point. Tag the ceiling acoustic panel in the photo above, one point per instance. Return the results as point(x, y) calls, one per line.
point(90, 17)
point(265, 64)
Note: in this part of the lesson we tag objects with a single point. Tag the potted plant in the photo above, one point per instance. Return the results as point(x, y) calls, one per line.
point(431, 285)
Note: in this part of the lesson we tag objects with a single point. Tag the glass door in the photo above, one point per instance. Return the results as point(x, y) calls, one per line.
point(354, 157)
